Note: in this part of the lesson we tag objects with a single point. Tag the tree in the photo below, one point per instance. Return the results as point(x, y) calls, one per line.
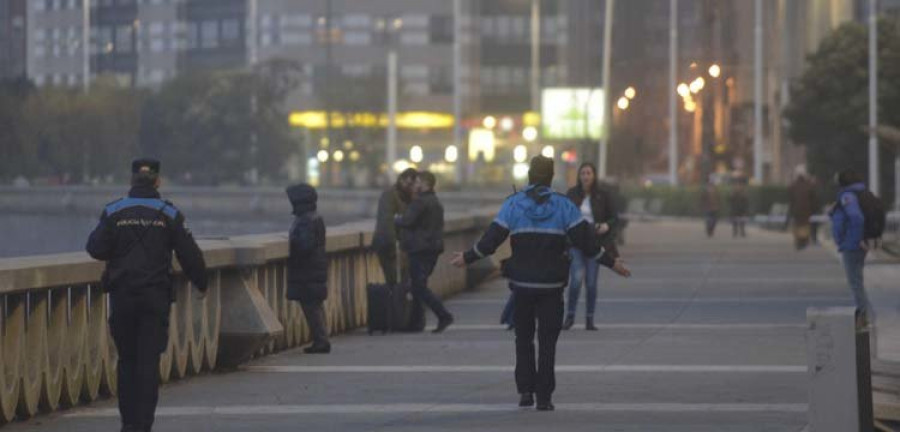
point(829, 103)
point(217, 126)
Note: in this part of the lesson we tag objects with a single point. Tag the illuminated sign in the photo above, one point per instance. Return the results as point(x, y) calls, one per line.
point(405, 120)
point(572, 113)
point(481, 144)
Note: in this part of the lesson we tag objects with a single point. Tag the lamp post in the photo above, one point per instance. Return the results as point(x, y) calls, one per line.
point(673, 91)
point(758, 94)
point(607, 55)
point(86, 45)
point(393, 28)
point(873, 97)
point(457, 91)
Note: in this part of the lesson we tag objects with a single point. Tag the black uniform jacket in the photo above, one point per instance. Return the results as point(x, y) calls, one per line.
point(136, 236)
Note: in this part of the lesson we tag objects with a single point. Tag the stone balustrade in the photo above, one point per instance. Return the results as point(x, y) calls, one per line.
point(56, 350)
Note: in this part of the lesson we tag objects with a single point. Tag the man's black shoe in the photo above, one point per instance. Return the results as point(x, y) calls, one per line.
point(527, 400)
point(545, 406)
point(443, 323)
point(589, 325)
point(318, 349)
point(569, 322)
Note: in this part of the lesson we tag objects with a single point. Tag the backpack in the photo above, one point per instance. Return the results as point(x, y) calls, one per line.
point(874, 214)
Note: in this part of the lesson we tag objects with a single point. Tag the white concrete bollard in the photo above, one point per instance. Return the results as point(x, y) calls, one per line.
point(840, 383)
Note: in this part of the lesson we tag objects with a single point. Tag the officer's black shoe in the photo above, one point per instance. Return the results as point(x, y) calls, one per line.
point(443, 323)
point(569, 322)
point(527, 400)
point(318, 349)
point(589, 325)
point(545, 406)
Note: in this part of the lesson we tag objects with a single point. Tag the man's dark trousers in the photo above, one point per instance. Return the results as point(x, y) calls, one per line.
point(543, 307)
point(139, 324)
point(420, 267)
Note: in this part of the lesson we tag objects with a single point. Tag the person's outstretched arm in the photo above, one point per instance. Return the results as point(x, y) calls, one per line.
point(495, 235)
point(582, 235)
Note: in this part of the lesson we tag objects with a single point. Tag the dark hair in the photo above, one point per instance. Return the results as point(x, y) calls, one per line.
point(409, 173)
point(540, 171)
point(848, 177)
point(144, 178)
point(595, 186)
point(428, 178)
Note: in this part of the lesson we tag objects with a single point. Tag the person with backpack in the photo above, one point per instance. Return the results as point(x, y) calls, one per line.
point(307, 265)
point(857, 220)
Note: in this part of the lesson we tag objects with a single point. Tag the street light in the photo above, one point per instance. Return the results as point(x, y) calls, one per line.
point(520, 153)
point(683, 90)
point(715, 71)
point(530, 133)
point(623, 103)
point(697, 85)
point(415, 154)
point(490, 122)
point(338, 156)
point(547, 151)
point(451, 154)
point(506, 124)
point(322, 156)
point(630, 93)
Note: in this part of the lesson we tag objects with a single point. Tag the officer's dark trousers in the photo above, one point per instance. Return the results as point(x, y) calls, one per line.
point(543, 308)
point(420, 267)
point(139, 324)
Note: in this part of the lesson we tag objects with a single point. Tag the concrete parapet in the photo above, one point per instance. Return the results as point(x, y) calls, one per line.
point(56, 350)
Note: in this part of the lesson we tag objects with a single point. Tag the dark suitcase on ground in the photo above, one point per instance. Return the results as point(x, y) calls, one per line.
point(379, 307)
point(390, 308)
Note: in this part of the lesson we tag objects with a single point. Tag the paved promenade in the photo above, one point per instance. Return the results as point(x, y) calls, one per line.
point(707, 336)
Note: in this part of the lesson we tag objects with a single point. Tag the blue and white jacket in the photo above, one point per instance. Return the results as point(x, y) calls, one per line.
point(541, 225)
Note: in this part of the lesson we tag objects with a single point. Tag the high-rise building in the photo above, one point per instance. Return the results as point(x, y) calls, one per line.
point(12, 39)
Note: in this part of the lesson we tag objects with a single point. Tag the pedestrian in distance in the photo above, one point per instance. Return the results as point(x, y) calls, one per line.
point(307, 265)
point(740, 209)
point(136, 236)
point(709, 203)
point(857, 221)
point(802, 204)
point(599, 210)
point(392, 202)
point(422, 238)
point(541, 225)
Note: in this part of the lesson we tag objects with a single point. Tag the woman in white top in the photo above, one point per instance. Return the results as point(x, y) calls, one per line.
point(598, 208)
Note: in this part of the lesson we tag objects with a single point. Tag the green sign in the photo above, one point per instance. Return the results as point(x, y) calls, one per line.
point(572, 113)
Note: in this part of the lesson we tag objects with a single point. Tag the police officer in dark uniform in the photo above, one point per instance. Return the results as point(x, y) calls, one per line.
point(136, 236)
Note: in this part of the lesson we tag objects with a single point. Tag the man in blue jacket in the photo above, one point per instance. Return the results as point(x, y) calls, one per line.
point(542, 225)
point(848, 225)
